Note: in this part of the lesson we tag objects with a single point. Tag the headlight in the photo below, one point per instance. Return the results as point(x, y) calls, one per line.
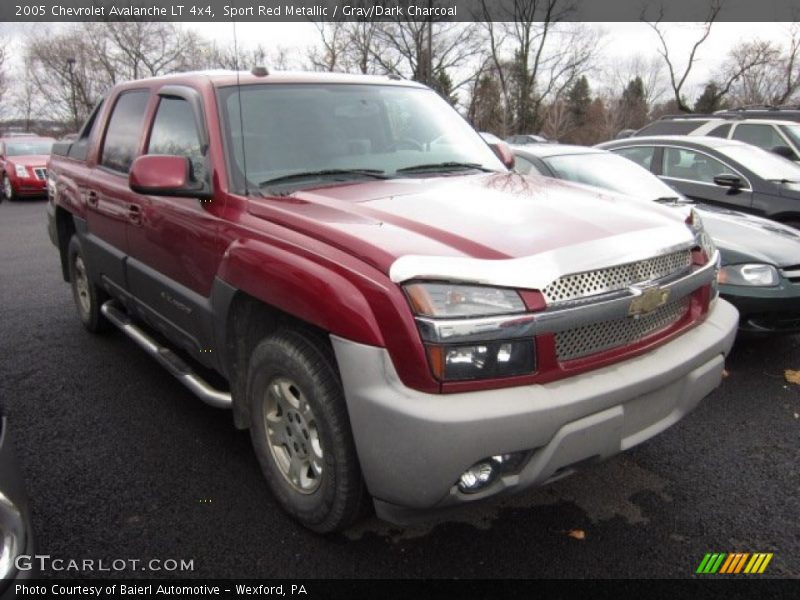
point(751, 275)
point(12, 535)
point(450, 316)
point(21, 171)
point(701, 236)
point(445, 300)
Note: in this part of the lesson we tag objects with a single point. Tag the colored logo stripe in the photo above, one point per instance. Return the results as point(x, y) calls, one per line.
point(733, 563)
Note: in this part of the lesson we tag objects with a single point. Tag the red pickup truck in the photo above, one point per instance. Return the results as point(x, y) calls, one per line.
point(397, 315)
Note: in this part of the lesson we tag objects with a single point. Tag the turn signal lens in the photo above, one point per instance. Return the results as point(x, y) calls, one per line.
point(482, 361)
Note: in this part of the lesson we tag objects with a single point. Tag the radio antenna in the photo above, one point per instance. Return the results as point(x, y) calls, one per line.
point(239, 96)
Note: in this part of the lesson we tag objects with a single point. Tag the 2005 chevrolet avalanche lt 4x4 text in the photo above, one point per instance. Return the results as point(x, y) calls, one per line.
point(398, 316)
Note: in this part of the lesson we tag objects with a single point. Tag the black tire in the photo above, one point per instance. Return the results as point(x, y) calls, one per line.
point(301, 364)
point(8, 189)
point(87, 296)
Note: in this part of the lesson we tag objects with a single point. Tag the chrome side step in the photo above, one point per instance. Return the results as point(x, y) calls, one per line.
point(168, 359)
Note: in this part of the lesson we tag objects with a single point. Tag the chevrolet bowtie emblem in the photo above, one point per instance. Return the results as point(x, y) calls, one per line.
point(647, 299)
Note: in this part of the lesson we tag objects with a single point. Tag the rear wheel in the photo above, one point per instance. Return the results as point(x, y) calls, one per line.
point(88, 297)
point(301, 432)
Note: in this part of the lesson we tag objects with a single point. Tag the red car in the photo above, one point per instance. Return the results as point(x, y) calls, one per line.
point(23, 162)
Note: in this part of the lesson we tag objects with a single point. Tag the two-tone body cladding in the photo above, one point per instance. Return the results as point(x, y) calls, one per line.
point(393, 312)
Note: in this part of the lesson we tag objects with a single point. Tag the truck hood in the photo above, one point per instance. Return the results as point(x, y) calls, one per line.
point(485, 217)
point(745, 238)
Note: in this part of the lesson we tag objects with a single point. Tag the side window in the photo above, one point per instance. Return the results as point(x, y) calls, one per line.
point(641, 155)
point(175, 133)
point(720, 131)
point(524, 166)
point(80, 147)
point(124, 131)
point(691, 165)
point(763, 136)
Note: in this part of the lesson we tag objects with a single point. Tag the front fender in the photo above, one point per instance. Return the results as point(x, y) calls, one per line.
point(301, 287)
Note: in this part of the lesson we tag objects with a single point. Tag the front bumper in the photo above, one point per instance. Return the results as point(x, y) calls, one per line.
point(414, 446)
point(766, 309)
point(29, 187)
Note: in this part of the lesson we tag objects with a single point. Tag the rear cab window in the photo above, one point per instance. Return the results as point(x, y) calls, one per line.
point(124, 131)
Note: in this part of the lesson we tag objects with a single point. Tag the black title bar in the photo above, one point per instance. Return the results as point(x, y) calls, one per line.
point(387, 10)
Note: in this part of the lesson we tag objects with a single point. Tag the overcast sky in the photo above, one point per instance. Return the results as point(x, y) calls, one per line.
point(621, 40)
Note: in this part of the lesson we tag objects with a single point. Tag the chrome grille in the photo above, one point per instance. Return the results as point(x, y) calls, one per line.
point(41, 173)
point(590, 339)
point(591, 283)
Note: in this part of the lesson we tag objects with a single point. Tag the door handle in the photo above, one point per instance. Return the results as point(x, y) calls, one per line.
point(92, 198)
point(135, 214)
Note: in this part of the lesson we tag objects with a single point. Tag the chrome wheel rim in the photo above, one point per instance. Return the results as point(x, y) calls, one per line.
point(82, 286)
point(292, 435)
point(7, 189)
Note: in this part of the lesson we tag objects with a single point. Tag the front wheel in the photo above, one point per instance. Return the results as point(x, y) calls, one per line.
point(88, 297)
point(8, 189)
point(301, 431)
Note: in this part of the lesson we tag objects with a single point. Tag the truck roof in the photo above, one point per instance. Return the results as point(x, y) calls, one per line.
point(223, 78)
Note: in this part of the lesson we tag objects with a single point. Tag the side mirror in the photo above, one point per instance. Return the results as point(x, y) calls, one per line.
point(729, 180)
point(504, 153)
point(785, 152)
point(162, 175)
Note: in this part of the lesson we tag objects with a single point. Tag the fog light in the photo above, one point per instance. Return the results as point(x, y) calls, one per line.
point(477, 477)
point(484, 472)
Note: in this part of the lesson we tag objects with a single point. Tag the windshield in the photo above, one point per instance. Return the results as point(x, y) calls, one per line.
point(611, 172)
point(312, 128)
point(764, 164)
point(28, 147)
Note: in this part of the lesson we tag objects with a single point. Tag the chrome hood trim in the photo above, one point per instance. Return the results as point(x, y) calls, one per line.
point(539, 270)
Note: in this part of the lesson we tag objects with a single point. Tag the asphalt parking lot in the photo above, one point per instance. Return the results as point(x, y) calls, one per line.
point(122, 462)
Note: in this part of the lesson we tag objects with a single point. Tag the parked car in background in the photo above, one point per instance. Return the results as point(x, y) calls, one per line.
point(722, 172)
point(527, 138)
point(16, 536)
point(760, 259)
point(23, 165)
point(775, 135)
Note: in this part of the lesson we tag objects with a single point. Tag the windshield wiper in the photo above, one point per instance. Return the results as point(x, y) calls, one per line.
point(373, 173)
point(445, 166)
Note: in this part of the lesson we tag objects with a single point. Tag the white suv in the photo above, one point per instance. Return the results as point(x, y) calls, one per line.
point(764, 133)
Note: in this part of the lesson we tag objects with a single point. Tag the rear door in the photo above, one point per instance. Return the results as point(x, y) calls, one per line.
point(108, 197)
point(692, 173)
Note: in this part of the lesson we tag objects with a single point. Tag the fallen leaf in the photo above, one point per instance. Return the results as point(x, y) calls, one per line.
point(796, 416)
point(725, 373)
point(792, 376)
point(578, 534)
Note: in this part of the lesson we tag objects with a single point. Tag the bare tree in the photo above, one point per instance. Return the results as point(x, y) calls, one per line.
point(334, 39)
point(3, 74)
point(678, 77)
point(536, 55)
point(649, 69)
point(776, 80)
point(423, 50)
